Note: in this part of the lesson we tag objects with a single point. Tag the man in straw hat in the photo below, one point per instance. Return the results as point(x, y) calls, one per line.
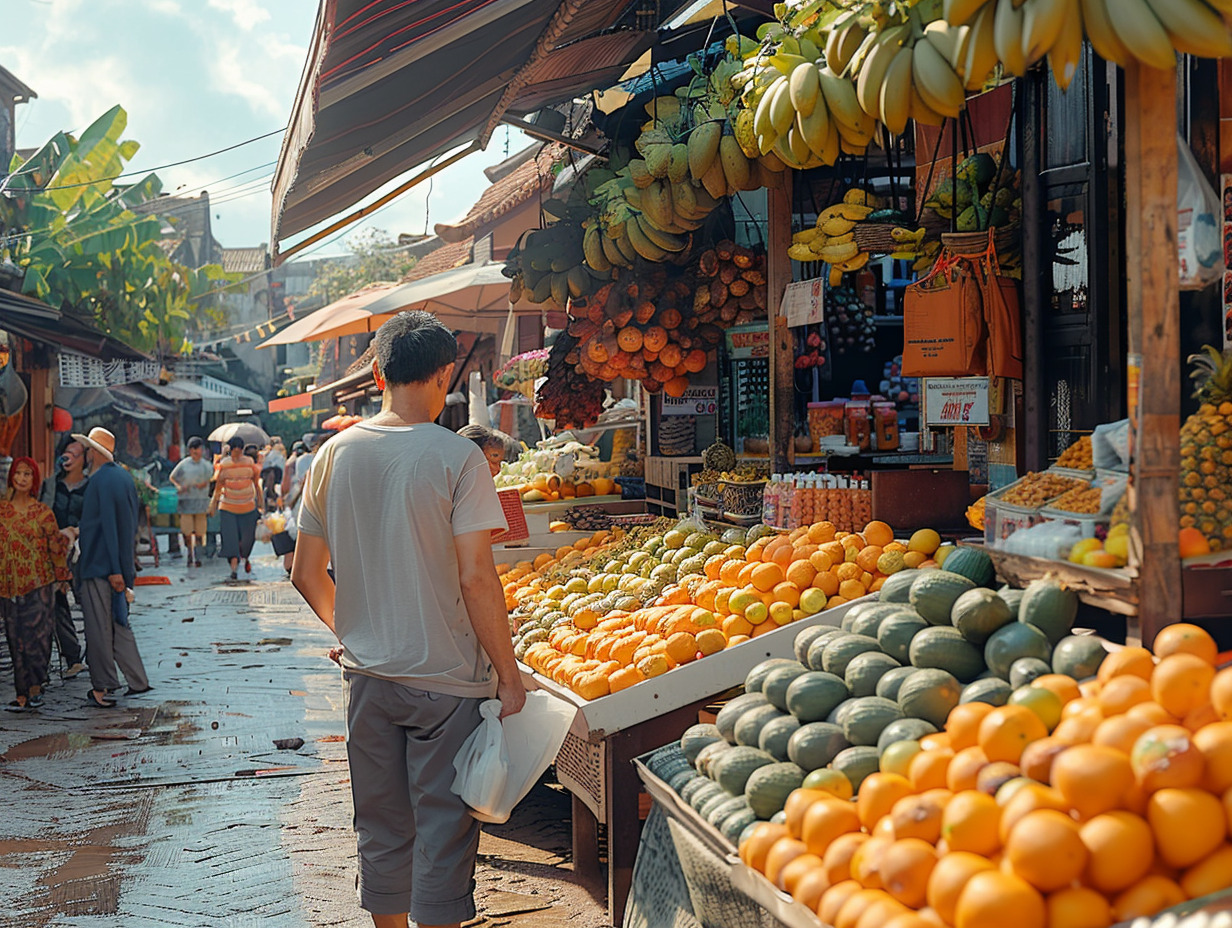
point(106, 570)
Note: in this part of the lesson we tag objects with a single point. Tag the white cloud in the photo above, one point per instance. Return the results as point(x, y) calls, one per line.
point(166, 7)
point(245, 13)
point(230, 74)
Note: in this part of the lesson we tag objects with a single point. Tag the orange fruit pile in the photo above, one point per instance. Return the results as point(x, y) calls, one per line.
point(1121, 811)
point(524, 580)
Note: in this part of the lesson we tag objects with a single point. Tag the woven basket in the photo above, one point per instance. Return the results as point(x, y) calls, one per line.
point(743, 498)
point(968, 243)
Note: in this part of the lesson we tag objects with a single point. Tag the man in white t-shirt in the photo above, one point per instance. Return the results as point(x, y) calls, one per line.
point(404, 510)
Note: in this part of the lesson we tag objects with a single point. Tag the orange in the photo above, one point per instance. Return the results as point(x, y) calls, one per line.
point(927, 769)
point(798, 803)
point(1210, 874)
point(834, 551)
point(1221, 693)
point(966, 765)
point(837, 860)
point(848, 571)
point(1120, 732)
point(1065, 687)
point(1038, 757)
point(810, 888)
point(821, 561)
point(1193, 543)
point(936, 741)
point(878, 793)
point(832, 781)
point(1078, 907)
point(1121, 848)
point(878, 533)
point(765, 576)
point(1188, 824)
point(905, 868)
point(1183, 638)
point(821, 532)
point(918, 816)
point(1001, 899)
point(730, 570)
point(1137, 662)
point(786, 592)
point(826, 820)
point(866, 862)
point(1032, 797)
point(867, 558)
point(781, 853)
point(1120, 693)
point(1080, 727)
point(952, 873)
point(745, 576)
point(1092, 779)
point(714, 564)
point(833, 899)
point(880, 911)
point(1181, 683)
point(1200, 717)
point(795, 869)
point(1006, 730)
point(1045, 849)
point(1154, 713)
point(963, 724)
point(1079, 705)
point(995, 775)
point(827, 581)
point(851, 589)
point(856, 905)
point(801, 573)
point(910, 920)
point(1153, 894)
point(970, 822)
point(754, 850)
point(1166, 756)
point(1215, 743)
point(734, 625)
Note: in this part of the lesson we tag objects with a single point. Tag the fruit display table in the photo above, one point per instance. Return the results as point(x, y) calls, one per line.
point(596, 762)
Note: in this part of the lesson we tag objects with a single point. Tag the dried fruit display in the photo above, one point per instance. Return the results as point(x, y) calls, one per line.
point(1086, 500)
point(1078, 456)
point(1036, 489)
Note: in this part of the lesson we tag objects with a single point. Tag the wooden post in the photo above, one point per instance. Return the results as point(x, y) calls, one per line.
point(1154, 342)
point(782, 352)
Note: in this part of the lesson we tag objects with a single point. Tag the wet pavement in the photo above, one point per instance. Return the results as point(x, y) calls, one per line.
point(177, 808)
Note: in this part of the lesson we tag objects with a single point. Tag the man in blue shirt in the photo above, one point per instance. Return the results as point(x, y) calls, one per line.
point(106, 569)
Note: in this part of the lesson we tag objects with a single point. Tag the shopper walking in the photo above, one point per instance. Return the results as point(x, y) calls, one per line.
point(191, 479)
point(66, 494)
point(107, 568)
point(404, 510)
point(238, 497)
point(32, 560)
point(271, 471)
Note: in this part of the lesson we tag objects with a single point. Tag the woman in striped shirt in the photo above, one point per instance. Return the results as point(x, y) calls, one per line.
point(237, 497)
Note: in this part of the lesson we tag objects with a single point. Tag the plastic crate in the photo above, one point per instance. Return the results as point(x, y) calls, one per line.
point(168, 501)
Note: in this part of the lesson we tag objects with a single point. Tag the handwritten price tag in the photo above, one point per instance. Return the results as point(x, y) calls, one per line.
point(958, 401)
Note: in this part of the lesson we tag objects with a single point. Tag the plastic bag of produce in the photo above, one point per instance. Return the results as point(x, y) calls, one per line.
point(1199, 223)
point(1110, 446)
point(482, 763)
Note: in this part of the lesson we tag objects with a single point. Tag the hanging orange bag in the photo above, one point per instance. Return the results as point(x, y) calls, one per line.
point(944, 333)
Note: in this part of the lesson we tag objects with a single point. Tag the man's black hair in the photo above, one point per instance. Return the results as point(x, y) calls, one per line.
point(412, 346)
point(196, 442)
point(235, 442)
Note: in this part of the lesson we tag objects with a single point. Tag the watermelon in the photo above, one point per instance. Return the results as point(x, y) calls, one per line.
point(814, 695)
point(946, 649)
point(904, 730)
point(891, 680)
point(732, 770)
point(929, 694)
point(1050, 607)
point(871, 616)
point(709, 754)
point(934, 593)
point(1026, 669)
point(748, 729)
point(774, 687)
point(696, 738)
point(730, 714)
point(775, 734)
point(801, 645)
point(768, 787)
point(897, 587)
point(1012, 598)
point(1012, 641)
point(1078, 656)
point(856, 763)
point(973, 564)
point(865, 670)
point(992, 690)
point(817, 647)
point(897, 631)
point(814, 745)
point(757, 676)
point(978, 613)
point(840, 651)
point(867, 717)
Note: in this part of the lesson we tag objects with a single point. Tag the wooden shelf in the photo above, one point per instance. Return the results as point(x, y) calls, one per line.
point(1113, 590)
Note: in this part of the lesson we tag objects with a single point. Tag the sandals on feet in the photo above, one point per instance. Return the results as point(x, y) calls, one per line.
point(93, 701)
point(16, 706)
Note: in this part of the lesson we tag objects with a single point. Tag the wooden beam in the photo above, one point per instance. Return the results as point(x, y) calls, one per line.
point(1154, 341)
point(782, 349)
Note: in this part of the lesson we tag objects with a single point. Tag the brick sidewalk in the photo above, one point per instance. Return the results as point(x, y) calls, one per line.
point(176, 808)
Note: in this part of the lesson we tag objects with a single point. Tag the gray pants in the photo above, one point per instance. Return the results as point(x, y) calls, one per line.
point(417, 838)
point(109, 644)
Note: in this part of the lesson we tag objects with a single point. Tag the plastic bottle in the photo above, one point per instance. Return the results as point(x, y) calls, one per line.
point(769, 500)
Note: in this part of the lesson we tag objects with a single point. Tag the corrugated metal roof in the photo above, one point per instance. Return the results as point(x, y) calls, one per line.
point(245, 260)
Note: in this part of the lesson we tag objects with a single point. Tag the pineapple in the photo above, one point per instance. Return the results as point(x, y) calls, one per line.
point(1206, 451)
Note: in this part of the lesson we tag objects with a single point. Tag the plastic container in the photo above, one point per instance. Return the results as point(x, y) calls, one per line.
point(856, 425)
point(885, 418)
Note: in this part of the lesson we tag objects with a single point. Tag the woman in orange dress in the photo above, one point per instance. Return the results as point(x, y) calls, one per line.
point(33, 559)
point(238, 497)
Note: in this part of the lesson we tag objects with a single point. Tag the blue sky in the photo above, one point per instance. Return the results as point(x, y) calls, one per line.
point(196, 76)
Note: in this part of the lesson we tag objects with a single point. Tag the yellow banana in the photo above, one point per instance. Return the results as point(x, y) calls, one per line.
point(785, 62)
point(841, 99)
point(1097, 25)
point(815, 127)
point(981, 54)
point(803, 88)
point(846, 36)
point(836, 254)
point(626, 247)
point(644, 247)
point(833, 240)
point(1140, 30)
point(854, 263)
point(801, 253)
point(765, 143)
point(832, 147)
point(668, 241)
point(781, 113)
point(921, 112)
point(873, 71)
point(839, 225)
point(735, 164)
point(857, 196)
point(1007, 37)
point(592, 248)
point(678, 163)
point(640, 174)
point(799, 147)
point(895, 100)
point(900, 234)
point(684, 201)
point(1042, 22)
point(904, 254)
point(944, 37)
point(806, 236)
point(782, 150)
point(836, 276)
point(715, 181)
point(1066, 52)
point(1195, 28)
point(768, 163)
point(703, 148)
point(762, 124)
point(855, 212)
point(958, 12)
point(936, 81)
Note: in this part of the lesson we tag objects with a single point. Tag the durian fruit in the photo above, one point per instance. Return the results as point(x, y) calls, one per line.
point(719, 457)
point(1206, 451)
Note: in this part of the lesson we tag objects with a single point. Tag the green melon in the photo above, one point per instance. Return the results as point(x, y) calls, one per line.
point(696, 738)
point(896, 632)
point(703, 793)
point(897, 588)
point(801, 645)
point(709, 754)
point(934, 593)
point(867, 717)
point(774, 687)
point(775, 735)
point(929, 694)
point(1050, 607)
point(1012, 641)
point(1026, 669)
point(816, 744)
point(677, 783)
point(1012, 598)
point(757, 676)
point(817, 649)
point(978, 613)
point(904, 730)
point(973, 564)
point(856, 763)
point(1078, 656)
point(891, 680)
point(768, 787)
point(871, 617)
point(814, 695)
point(748, 729)
point(691, 788)
point(865, 670)
point(732, 770)
point(730, 714)
point(715, 802)
point(718, 815)
point(840, 651)
point(992, 690)
point(946, 649)
point(737, 822)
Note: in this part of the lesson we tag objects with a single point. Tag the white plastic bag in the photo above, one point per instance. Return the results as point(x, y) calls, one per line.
point(482, 763)
point(291, 528)
point(1199, 223)
point(529, 742)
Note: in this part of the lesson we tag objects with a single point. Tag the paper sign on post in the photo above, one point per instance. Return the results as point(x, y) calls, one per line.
point(515, 517)
point(956, 401)
point(804, 302)
point(696, 401)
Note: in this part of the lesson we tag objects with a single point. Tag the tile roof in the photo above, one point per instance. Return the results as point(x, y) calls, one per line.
point(512, 190)
point(444, 258)
point(244, 260)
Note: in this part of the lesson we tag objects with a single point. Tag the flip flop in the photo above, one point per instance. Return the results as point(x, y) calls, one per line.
point(92, 702)
point(132, 692)
point(16, 706)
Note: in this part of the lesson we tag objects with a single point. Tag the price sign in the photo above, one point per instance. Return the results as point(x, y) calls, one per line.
point(957, 401)
point(804, 302)
point(515, 517)
point(748, 342)
point(697, 401)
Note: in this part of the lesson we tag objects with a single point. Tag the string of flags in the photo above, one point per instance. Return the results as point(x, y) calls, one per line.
point(261, 330)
